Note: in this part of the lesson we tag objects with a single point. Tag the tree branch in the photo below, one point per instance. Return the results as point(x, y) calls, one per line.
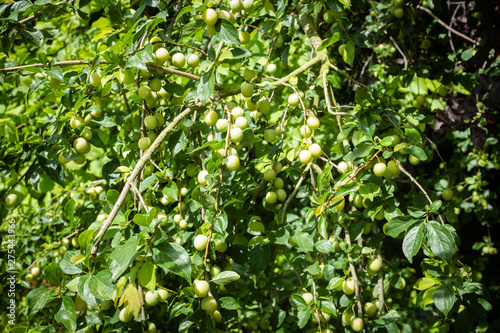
point(135, 173)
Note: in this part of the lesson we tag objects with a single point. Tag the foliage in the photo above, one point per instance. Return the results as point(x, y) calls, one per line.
point(115, 156)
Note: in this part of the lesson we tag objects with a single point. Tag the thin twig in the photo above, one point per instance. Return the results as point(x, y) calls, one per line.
point(458, 33)
point(352, 269)
point(295, 190)
point(418, 185)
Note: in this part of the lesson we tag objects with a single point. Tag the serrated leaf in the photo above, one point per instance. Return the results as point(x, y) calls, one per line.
point(53, 274)
point(227, 32)
point(412, 242)
point(441, 241)
point(424, 283)
point(304, 241)
point(147, 275)
point(67, 314)
point(225, 277)
point(101, 285)
point(399, 224)
point(444, 298)
point(324, 246)
point(229, 303)
point(206, 86)
point(436, 205)
point(173, 258)
point(122, 255)
point(37, 298)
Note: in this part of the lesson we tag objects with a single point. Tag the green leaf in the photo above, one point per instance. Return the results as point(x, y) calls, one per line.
point(425, 283)
point(436, 205)
point(324, 246)
point(369, 190)
point(399, 224)
point(69, 209)
point(416, 151)
point(304, 241)
point(147, 275)
point(225, 277)
point(148, 183)
point(227, 32)
point(176, 142)
point(444, 298)
point(101, 285)
point(303, 315)
point(412, 242)
point(122, 255)
point(37, 298)
point(84, 290)
point(173, 258)
point(229, 303)
point(53, 274)
point(441, 241)
point(367, 125)
point(34, 35)
point(206, 86)
point(52, 168)
point(348, 53)
point(67, 314)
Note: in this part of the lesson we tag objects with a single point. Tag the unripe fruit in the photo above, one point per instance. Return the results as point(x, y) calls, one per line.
point(35, 271)
point(220, 246)
point(347, 318)
point(241, 122)
point(125, 315)
point(211, 30)
point(272, 69)
point(201, 177)
point(271, 197)
point(305, 156)
point(357, 324)
point(293, 100)
point(264, 106)
point(151, 328)
point(95, 79)
point(150, 122)
point(237, 112)
point(236, 5)
point(370, 309)
point(87, 134)
point(193, 60)
point(81, 145)
point(393, 168)
point(216, 316)
point(152, 298)
point(281, 193)
point(211, 118)
point(315, 149)
point(343, 166)
point(305, 131)
point(247, 5)
point(247, 89)
point(399, 13)
point(201, 288)
point(348, 287)
point(225, 15)
point(163, 294)
point(425, 44)
point(209, 304)
point(329, 16)
point(278, 183)
point(178, 60)
point(244, 37)
point(144, 143)
point(278, 44)
point(269, 135)
point(200, 242)
point(162, 55)
point(269, 174)
point(447, 194)
point(379, 169)
point(10, 200)
point(144, 92)
point(374, 265)
point(233, 162)
point(419, 101)
point(222, 125)
point(413, 160)
point(236, 134)
point(75, 122)
point(313, 122)
point(342, 49)
point(210, 16)
point(308, 297)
